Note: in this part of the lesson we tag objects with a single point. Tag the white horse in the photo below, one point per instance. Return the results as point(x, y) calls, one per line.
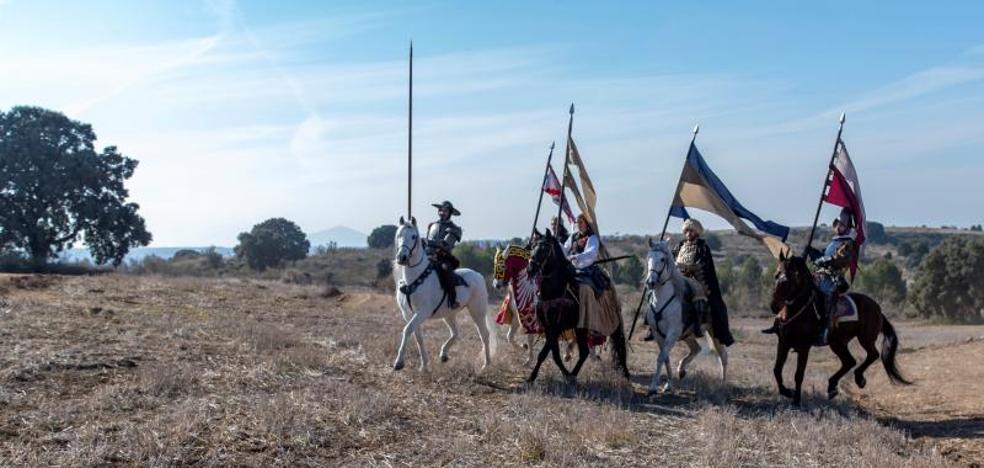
point(666, 316)
point(424, 299)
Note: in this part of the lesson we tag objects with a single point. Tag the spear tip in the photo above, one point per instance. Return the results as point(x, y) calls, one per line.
point(552, 143)
point(572, 108)
point(843, 117)
point(696, 129)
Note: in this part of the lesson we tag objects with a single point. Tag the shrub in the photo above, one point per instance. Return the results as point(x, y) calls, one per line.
point(950, 281)
point(271, 243)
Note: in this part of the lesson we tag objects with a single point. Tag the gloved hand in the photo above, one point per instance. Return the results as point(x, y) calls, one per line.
point(822, 262)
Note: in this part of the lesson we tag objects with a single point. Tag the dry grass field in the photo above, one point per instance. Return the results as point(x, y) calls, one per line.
point(128, 370)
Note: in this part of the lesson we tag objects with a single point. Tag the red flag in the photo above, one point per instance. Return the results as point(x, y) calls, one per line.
point(845, 191)
point(551, 185)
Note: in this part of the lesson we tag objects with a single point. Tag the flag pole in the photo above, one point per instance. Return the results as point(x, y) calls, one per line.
point(410, 139)
point(539, 202)
point(826, 182)
point(567, 155)
point(662, 233)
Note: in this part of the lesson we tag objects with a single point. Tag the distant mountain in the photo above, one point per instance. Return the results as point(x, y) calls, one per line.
point(341, 235)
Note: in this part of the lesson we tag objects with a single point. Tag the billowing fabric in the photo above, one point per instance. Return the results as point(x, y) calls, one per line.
point(601, 314)
point(551, 186)
point(700, 188)
point(845, 191)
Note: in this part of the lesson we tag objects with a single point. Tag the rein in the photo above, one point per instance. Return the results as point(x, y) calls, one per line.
point(659, 314)
point(409, 288)
point(811, 301)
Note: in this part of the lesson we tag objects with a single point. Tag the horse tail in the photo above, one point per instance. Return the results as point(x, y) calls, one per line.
point(889, 348)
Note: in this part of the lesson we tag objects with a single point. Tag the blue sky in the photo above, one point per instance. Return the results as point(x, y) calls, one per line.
point(240, 111)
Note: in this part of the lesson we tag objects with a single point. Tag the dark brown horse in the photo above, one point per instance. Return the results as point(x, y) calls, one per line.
point(557, 308)
point(798, 300)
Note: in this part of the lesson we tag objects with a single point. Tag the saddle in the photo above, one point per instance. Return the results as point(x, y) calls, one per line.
point(845, 310)
point(595, 277)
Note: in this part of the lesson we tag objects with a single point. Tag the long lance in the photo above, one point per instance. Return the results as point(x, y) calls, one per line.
point(567, 156)
point(662, 233)
point(410, 140)
point(539, 201)
point(826, 182)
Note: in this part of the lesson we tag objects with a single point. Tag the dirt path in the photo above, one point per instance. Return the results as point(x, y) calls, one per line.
point(945, 407)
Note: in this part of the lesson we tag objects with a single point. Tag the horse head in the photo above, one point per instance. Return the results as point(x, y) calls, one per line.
point(658, 262)
point(509, 263)
point(791, 279)
point(545, 253)
point(407, 242)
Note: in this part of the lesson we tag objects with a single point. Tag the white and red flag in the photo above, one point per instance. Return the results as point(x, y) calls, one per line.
point(551, 186)
point(844, 190)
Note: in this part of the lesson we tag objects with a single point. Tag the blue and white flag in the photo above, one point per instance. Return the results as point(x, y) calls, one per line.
point(700, 188)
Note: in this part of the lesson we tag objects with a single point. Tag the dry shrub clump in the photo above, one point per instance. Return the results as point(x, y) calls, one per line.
point(799, 438)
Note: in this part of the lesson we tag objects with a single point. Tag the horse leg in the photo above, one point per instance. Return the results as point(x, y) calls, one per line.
point(556, 356)
point(582, 350)
point(408, 329)
point(722, 352)
point(530, 341)
point(694, 351)
point(544, 351)
point(477, 308)
point(802, 356)
point(847, 363)
point(782, 352)
point(453, 329)
point(872, 350)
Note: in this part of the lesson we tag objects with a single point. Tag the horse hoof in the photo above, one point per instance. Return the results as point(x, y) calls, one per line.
point(652, 392)
point(796, 402)
point(398, 366)
point(524, 346)
point(786, 392)
point(832, 393)
point(860, 380)
point(683, 374)
point(444, 359)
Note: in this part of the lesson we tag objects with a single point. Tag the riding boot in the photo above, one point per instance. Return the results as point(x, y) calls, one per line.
point(447, 283)
point(824, 332)
point(774, 329)
point(649, 335)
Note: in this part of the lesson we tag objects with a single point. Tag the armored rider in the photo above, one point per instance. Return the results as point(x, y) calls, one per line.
point(442, 235)
point(831, 265)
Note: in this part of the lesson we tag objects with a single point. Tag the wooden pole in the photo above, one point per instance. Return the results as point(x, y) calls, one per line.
point(539, 201)
point(410, 140)
point(826, 182)
point(567, 155)
point(662, 233)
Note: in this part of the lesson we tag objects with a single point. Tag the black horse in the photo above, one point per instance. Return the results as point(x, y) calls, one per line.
point(797, 301)
point(558, 310)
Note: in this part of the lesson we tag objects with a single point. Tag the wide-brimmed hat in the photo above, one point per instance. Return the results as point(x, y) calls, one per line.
point(846, 217)
point(447, 206)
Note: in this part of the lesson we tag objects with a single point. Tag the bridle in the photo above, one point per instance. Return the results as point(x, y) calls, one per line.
point(781, 278)
point(411, 251)
point(659, 273)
